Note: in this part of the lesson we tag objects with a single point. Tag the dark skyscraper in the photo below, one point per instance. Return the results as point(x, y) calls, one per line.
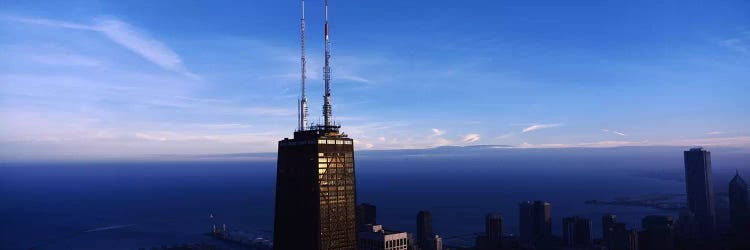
point(608, 223)
point(366, 214)
point(739, 208)
point(315, 183)
point(492, 239)
point(535, 220)
point(700, 193)
point(621, 238)
point(658, 233)
point(493, 226)
point(577, 231)
point(315, 191)
point(424, 229)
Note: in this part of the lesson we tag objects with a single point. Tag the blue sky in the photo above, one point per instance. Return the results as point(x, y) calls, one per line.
point(91, 79)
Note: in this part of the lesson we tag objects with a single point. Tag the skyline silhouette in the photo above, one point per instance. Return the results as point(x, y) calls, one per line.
point(502, 125)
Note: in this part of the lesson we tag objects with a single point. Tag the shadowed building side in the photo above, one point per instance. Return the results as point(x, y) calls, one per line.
point(700, 193)
point(297, 212)
point(424, 228)
point(493, 233)
point(535, 221)
point(608, 224)
point(366, 215)
point(657, 234)
point(739, 208)
point(577, 232)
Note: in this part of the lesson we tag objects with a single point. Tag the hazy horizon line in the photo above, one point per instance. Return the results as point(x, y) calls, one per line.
point(271, 156)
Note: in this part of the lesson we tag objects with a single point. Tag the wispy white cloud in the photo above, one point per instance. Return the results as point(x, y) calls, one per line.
point(735, 141)
point(353, 78)
point(437, 132)
point(740, 43)
point(39, 135)
point(149, 137)
point(504, 136)
point(149, 48)
point(614, 132)
point(49, 22)
point(127, 36)
point(470, 138)
point(347, 68)
point(605, 144)
point(395, 135)
point(546, 145)
point(538, 127)
point(597, 144)
point(715, 133)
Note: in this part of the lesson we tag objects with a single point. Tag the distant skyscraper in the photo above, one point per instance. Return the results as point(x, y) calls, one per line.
point(434, 243)
point(366, 214)
point(535, 221)
point(700, 193)
point(413, 245)
point(739, 207)
point(608, 223)
point(492, 239)
point(658, 233)
point(378, 238)
point(493, 225)
point(315, 184)
point(577, 231)
point(424, 229)
point(621, 238)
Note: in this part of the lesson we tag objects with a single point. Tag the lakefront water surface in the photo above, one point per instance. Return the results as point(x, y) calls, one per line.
point(127, 205)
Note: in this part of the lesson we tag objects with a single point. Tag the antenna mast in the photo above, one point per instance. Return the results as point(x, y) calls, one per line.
point(302, 109)
point(327, 75)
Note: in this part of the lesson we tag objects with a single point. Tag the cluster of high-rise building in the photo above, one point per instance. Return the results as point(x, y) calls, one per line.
point(316, 202)
point(374, 236)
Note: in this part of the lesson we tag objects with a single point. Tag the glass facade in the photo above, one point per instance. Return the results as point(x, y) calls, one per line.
point(337, 194)
point(315, 192)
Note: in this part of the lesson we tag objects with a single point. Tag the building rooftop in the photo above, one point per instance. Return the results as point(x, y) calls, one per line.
point(737, 180)
point(378, 229)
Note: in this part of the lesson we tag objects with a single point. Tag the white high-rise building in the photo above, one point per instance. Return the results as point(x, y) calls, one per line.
point(380, 239)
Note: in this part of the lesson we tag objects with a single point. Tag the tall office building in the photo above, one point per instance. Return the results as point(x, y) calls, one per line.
point(700, 193)
point(577, 232)
point(608, 223)
point(424, 229)
point(493, 227)
point(739, 207)
point(535, 221)
point(366, 215)
point(493, 236)
point(685, 228)
point(621, 238)
point(315, 181)
point(658, 233)
point(434, 243)
point(377, 238)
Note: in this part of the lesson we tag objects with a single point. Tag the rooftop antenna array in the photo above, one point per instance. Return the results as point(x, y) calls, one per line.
point(327, 77)
point(302, 103)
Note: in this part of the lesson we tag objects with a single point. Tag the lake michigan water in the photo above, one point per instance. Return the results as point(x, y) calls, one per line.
point(131, 205)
